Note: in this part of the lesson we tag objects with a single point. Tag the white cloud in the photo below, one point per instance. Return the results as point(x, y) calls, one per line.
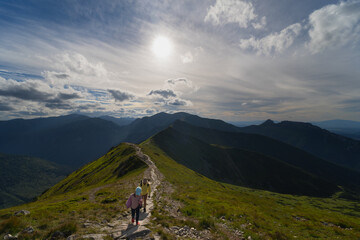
point(273, 43)
point(261, 24)
point(233, 11)
point(75, 68)
point(334, 26)
point(187, 57)
point(191, 56)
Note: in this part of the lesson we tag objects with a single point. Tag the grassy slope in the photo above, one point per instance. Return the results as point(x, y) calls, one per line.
point(262, 214)
point(23, 178)
point(109, 180)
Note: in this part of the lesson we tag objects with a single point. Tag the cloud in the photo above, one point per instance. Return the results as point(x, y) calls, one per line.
point(177, 81)
point(179, 102)
point(121, 96)
point(191, 56)
point(233, 11)
point(261, 24)
point(273, 43)
point(334, 26)
point(5, 107)
point(163, 93)
point(74, 68)
point(67, 96)
point(25, 92)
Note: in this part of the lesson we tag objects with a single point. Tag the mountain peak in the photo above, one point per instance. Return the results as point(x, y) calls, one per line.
point(268, 122)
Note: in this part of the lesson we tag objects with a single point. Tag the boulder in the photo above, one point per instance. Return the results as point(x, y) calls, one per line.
point(28, 230)
point(9, 237)
point(22, 212)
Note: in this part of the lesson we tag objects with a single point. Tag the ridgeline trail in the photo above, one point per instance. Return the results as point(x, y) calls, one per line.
point(123, 228)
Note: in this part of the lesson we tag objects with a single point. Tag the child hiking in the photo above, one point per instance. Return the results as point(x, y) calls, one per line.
point(134, 202)
point(146, 190)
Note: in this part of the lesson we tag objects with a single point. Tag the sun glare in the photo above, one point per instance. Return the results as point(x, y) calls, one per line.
point(161, 47)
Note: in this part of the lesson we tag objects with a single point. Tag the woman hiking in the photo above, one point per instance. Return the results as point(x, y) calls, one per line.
point(134, 202)
point(146, 190)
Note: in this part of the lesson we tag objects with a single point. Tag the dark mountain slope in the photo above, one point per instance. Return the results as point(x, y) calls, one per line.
point(118, 121)
point(319, 142)
point(275, 149)
point(23, 178)
point(72, 144)
point(18, 127)
point(142, 129)
point(240, 167)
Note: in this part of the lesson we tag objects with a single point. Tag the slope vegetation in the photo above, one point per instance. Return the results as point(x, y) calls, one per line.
point(87, 199)
point(230, 211)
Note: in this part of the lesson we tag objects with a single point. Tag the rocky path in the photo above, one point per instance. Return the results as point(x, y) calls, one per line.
point(124, 229)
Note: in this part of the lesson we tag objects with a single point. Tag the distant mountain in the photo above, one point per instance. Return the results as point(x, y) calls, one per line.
point(239, 166)
point(23, 178)
point(277, 150)
point(143, 128)
point(70, 140)
point(17, 127)
point(75, 140)
point(118, 121)
point(342, 124)
point(345, 128)
point(312, 139)
point(246, 123)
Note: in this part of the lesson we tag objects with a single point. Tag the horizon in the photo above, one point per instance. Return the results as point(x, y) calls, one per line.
point(256, 122)
point(237, 61)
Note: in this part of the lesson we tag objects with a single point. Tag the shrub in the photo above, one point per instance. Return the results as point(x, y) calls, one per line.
point(206, 223)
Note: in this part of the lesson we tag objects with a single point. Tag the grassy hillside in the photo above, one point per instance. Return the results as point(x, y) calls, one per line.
point(260, 214)
point(95, 193)
point(23, 178)
point(240, 167)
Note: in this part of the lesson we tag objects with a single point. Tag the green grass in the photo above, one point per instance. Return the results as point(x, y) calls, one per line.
point(96, 192)
point(260, 214)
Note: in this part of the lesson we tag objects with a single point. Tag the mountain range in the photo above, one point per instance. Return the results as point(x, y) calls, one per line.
point(316, 158)
point(221, 180)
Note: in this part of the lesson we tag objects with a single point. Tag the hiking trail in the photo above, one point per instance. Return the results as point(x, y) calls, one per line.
point(122, 228)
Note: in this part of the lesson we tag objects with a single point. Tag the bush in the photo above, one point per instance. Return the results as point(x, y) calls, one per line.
point(67, 229)
point(109, 200)
point(206, 223)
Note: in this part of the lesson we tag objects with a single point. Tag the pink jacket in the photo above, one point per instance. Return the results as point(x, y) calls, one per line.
point(134, 201)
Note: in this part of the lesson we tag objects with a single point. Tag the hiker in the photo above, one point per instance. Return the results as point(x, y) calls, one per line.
point(146, 189)
point(134, 202)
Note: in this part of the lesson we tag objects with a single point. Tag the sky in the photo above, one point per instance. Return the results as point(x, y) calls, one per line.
point(234, 60)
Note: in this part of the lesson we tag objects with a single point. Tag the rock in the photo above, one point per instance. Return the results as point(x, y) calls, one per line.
point(28, 230)
point(104, 221)
point(94, 236)
point(22, 212)
point(57, 235)
point(9, 237)
point(72, 237)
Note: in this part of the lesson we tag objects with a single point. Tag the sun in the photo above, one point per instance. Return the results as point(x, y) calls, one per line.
point(162, 47)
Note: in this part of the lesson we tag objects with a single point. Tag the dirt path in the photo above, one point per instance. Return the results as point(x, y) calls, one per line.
point(123, 229)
